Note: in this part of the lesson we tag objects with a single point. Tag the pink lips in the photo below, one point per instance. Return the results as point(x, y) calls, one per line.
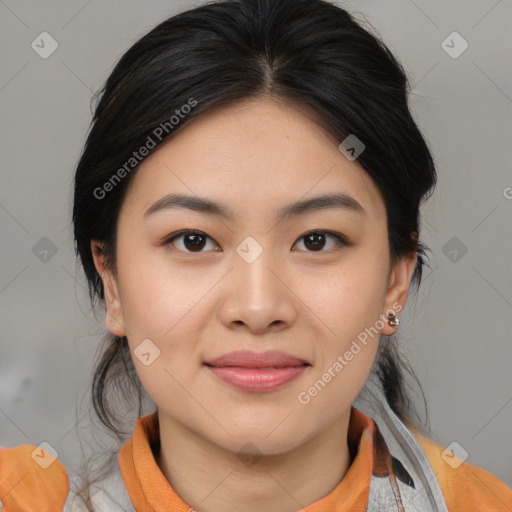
point(257, 371)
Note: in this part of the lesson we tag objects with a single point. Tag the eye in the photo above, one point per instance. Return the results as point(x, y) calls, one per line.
point(315, 240)
point(192, 241)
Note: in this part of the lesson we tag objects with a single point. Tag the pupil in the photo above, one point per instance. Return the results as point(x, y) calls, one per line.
point(194, 242)
point(316, 237)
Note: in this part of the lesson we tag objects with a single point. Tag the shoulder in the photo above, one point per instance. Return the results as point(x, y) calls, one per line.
point(32, 479)
point(465, 487)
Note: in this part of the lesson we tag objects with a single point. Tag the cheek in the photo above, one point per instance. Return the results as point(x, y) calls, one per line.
point(163, 308)
point(156, 296)
point(351, 306)
point(351, 297)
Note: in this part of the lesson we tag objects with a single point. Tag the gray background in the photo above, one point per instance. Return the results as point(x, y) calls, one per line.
point(457, 332)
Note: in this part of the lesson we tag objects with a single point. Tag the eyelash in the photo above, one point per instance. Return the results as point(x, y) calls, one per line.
point(340, 238)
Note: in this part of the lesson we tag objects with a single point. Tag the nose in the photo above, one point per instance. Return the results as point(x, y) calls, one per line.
point(257, 297)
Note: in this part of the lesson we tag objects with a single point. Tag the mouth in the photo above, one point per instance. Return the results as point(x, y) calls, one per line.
point(257, 372)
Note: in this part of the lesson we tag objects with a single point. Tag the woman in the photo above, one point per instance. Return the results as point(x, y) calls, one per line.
point(247, 208)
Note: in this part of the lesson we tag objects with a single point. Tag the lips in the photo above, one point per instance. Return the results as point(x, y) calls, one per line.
point(249, 359)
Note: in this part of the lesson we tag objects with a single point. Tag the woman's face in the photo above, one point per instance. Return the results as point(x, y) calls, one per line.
point(255, 279)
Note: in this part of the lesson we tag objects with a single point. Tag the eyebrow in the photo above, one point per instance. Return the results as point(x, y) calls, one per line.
point(208, 207)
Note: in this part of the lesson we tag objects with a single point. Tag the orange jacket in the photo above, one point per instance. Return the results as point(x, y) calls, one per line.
point(31, 481)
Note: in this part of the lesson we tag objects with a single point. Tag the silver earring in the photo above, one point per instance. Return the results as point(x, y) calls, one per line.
point(393, 319)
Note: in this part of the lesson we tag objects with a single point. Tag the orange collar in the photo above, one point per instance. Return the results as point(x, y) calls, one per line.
point(150, 491)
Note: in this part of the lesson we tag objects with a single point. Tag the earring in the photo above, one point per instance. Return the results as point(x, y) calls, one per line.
point(112, 322)
point(393, 319)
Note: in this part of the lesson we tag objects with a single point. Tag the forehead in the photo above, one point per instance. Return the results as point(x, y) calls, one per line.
point(254, 155)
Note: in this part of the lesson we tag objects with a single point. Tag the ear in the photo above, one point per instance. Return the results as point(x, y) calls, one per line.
point(114, 320)
point(398, 288)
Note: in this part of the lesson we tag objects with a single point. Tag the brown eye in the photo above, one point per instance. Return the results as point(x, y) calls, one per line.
point(190, 241)
point(316, 240)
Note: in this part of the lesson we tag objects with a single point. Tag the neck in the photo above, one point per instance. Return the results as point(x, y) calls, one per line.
point(210, 478)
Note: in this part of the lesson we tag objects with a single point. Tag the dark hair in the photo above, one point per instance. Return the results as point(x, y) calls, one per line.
point(309, 53)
